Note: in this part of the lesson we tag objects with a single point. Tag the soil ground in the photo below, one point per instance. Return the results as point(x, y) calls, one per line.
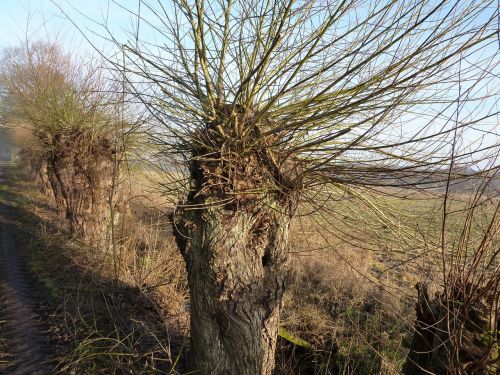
point(24, 346)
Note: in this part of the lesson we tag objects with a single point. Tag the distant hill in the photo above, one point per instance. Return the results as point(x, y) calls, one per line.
point(462, 178)
point(467, 179)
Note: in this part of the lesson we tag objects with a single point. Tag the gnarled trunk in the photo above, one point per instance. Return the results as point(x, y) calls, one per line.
point(44, 178)
point(81, 170)
point(237, 264)
point(57, 191)
point(233, 233)
point(455, 334)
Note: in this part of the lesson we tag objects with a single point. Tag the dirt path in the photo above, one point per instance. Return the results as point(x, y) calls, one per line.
point(26, 344)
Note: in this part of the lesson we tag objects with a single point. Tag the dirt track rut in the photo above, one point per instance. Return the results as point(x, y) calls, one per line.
point(26, 343)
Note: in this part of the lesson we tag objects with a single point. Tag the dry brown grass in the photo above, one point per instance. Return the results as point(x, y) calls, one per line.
point(334, 300)
point(130, 307)
point(356, 325)
point(106, 322)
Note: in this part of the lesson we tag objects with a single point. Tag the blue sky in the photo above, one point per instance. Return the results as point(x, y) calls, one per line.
point(43, 18)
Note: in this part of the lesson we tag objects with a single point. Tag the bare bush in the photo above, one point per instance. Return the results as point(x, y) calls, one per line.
point(457, 330)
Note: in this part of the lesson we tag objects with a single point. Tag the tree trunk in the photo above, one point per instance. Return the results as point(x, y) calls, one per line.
point(81, 170)
point(57, 191)
point(44, 177)
point(455, 334)
point(233, 232)
point(237, 264)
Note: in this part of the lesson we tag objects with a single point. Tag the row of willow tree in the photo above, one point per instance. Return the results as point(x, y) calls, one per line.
point(271, 108)
point(63, 114)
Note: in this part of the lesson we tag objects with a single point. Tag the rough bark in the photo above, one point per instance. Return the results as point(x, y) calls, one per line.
point(237, 266)
point(80, 171)
point(233, 232)
point(454, 335)
point(44, 177)
point(57, 192)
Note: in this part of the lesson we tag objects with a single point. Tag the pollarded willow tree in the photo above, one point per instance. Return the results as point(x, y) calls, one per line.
point(272, 104)
point(67, 106)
